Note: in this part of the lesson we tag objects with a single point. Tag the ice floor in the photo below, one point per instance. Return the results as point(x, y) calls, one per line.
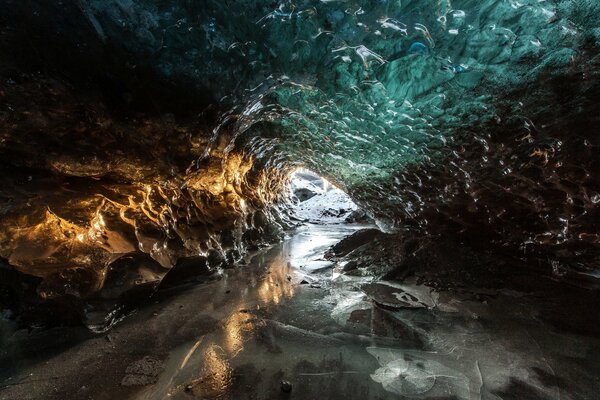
point(289, 316)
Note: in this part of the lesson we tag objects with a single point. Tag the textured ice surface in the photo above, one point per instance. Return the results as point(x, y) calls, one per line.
point(154, 131)
point(468, 115)
point(409, 373)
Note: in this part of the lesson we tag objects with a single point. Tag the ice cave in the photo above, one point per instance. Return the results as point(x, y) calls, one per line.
point(300, 199)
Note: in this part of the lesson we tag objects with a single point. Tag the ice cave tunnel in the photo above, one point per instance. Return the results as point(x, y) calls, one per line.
point(341, 199)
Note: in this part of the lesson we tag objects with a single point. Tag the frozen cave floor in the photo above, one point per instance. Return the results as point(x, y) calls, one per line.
point(290, 316)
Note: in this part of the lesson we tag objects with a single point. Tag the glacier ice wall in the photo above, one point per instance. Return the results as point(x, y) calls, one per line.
point(477, 117)
point(474, 119)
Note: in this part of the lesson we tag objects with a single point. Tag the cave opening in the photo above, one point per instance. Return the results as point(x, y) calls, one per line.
point(317, 201)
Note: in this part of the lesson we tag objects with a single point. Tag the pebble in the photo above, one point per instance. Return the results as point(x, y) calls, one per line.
point(286, 386)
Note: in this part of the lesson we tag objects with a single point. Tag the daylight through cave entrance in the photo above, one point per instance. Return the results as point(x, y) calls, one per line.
point(317, 201)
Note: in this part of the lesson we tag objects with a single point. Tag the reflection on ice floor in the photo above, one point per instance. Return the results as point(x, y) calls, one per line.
point(289, 316)
point(331, 342)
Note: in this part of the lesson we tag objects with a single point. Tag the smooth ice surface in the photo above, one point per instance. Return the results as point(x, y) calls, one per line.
point(281, 319)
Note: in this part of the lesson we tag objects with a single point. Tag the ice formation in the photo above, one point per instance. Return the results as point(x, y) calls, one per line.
point(138, 134)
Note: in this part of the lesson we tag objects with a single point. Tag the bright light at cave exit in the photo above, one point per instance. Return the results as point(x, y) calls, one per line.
point(302, 177)
point(319, 201)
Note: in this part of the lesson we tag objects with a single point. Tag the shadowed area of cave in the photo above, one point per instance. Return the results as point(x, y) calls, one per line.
point(379, 180)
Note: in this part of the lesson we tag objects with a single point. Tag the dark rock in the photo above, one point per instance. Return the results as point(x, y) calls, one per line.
point(353, 242)
point(358, 217)
point(286, 386)
point(303, 194)
point(187, 269)
point(350, 266)
point(392, 297)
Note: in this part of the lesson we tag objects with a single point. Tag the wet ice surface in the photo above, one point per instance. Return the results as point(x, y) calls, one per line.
point(290, 316)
